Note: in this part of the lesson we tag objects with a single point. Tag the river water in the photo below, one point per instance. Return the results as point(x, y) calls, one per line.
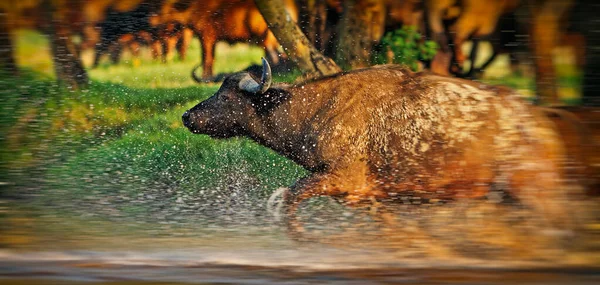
point(54, 249)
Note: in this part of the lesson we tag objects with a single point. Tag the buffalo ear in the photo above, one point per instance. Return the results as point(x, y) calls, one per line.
point(249, 84)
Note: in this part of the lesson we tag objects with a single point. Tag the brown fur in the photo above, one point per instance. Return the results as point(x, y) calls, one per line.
point(384, 132)
point(579, 129)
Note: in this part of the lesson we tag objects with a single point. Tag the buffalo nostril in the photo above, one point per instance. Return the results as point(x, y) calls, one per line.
point(186, 117)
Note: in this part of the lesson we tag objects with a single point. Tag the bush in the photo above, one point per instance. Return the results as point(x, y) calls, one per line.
point(404, 46)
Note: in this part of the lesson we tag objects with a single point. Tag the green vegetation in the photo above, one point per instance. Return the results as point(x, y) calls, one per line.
point(406, 47)
point(122, 142)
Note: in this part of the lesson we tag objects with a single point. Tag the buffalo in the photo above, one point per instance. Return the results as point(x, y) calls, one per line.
point(385, 132)
point(119, 23)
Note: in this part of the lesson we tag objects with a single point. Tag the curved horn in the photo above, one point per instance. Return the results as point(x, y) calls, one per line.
point(247, 83)
point(267, 76)
point(194, 76)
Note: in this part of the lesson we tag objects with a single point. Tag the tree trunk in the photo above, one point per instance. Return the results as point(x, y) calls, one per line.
point(294, 42)
point(589, 26)
point(313, 19)
point(67, 65)
point(362, 25)
point(7, 60)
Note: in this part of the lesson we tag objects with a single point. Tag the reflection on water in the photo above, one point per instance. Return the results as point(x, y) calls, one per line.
point(451, 243)
point(264, 267)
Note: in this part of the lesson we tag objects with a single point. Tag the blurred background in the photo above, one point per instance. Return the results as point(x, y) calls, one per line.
point(97, 171)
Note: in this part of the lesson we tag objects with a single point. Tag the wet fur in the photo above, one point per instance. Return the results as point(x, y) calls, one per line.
point(386, 132)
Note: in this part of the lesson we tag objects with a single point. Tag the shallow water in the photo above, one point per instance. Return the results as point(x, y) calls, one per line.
point(288, 267)
point(425, 249)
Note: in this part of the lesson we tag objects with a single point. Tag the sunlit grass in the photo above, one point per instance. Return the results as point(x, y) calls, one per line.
point(151, 73)
point(32, 51)
point(123, 136)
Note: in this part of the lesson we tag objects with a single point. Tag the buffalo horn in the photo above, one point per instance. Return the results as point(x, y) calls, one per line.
point(249, 84)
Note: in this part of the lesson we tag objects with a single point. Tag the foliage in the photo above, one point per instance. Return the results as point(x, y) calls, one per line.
point(407, 47)
point(122, 141)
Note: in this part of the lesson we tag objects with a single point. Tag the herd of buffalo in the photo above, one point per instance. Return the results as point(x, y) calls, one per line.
point(524, 29)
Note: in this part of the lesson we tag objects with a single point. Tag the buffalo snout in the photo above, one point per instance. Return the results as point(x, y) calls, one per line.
point(186, 118)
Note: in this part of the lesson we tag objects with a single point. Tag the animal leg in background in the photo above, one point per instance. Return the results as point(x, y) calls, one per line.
point(183, 43)
point(101, 49)
point(208, 55)
point(474, 71)
point(115, 54)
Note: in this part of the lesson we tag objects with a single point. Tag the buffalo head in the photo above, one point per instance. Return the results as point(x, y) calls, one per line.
point(229, 111)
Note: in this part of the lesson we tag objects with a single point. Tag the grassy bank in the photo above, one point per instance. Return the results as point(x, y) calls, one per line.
point(119, 148)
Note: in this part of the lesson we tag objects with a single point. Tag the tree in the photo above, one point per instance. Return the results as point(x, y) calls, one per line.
point(588, 23)
point(7, 61)
point(67, 66)
point(313, 21)
point(362, 25)
point(293, 41)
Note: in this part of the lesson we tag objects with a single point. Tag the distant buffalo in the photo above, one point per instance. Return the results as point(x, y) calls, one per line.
point(385, 132)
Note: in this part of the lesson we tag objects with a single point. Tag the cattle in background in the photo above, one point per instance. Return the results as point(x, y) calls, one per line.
point(541, 26)
point(76, 20)
point(230, 21)
point(543, 23)
point(118, 23)
point(454, 22)
point(479, 21)
point(549, 20)
point(132, 23)
point(63, 21)
point(171, 25)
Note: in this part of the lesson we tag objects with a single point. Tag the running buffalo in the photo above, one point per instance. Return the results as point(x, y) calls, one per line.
point(385, 131)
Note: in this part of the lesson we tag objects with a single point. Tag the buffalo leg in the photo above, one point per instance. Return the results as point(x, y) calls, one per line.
point(306, 188)
point(155, 47)
point(181, 47)
point(472, 58)
point(165, 49)
point(183, 43)
point(474, 71)
point(350, 183)
point(101, 49)
point(489, 61)
point(208, 56)
point(545, 32)
point(135, 49)
point(115, 54)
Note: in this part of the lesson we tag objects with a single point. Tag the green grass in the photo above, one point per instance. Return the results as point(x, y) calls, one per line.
point(121, 141)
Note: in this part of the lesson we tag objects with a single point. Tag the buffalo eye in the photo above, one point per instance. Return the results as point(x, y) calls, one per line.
point(227, 97)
